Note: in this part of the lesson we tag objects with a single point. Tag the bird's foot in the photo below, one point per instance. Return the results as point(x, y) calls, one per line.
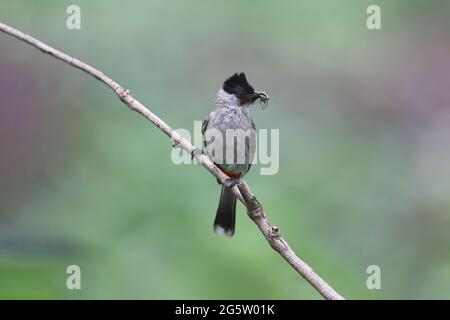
point(231, 182)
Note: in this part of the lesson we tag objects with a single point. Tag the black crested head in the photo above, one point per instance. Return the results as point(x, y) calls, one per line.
point(238, 85)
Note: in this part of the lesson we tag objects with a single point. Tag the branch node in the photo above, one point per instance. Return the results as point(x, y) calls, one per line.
point(175, 144)
point(196, 152)
point(274, 232)
point(254, 208)
point(124, 94)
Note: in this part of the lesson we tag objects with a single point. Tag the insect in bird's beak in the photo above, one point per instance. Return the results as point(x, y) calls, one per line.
point(263, 98)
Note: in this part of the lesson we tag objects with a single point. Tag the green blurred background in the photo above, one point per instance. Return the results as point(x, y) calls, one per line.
point(364, 119)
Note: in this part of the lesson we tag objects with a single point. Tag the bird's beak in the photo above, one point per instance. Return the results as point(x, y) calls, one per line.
point(262, 95)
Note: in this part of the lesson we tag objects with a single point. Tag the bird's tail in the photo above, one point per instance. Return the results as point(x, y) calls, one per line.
point(226, 213)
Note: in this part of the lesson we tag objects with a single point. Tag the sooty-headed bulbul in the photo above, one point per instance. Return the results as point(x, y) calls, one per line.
point(229, 136)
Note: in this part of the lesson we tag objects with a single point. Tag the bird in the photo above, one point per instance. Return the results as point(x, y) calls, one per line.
point(234, 156)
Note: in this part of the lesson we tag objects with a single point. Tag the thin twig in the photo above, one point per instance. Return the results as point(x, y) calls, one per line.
point(241, 191)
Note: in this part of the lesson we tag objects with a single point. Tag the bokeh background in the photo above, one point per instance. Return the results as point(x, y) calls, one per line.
point(364, 119)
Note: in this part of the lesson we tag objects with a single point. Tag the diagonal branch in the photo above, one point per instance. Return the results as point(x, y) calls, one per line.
point(241, 191)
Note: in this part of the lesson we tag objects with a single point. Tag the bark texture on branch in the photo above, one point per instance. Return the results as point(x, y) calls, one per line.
point(241, 191)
